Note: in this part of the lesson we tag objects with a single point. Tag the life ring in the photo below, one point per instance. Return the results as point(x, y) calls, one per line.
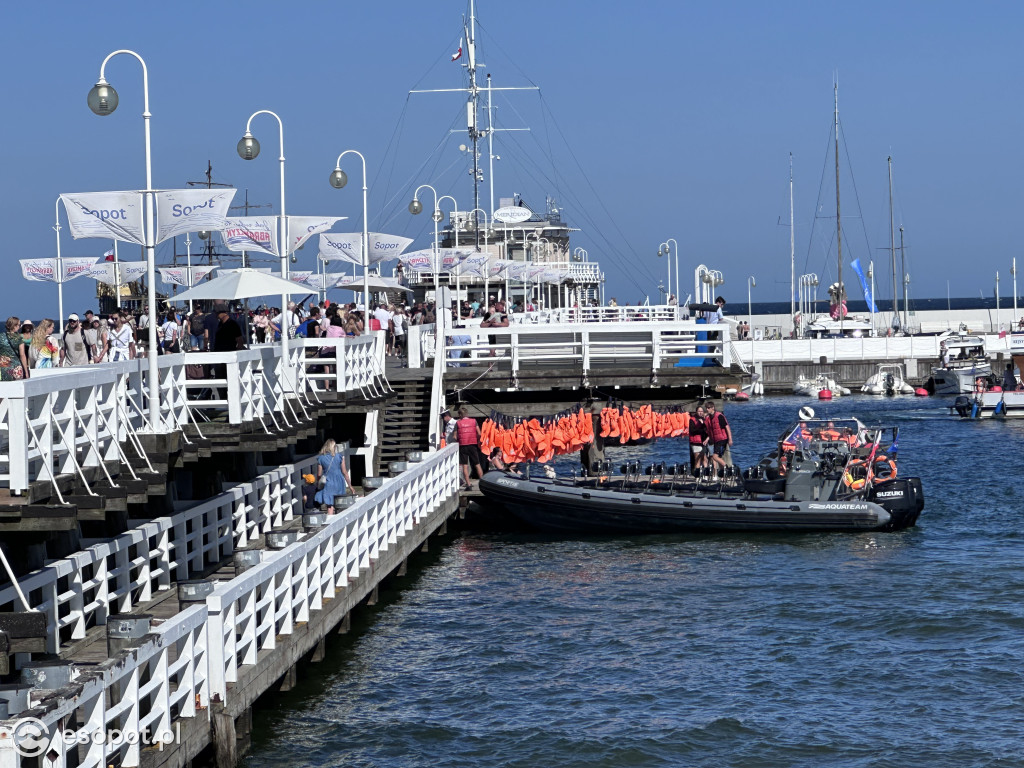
point(883, 469)
point(856, 475)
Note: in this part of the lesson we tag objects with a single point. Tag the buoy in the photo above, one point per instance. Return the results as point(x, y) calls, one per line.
point(921, 392)
point(806, 413)
point(825, 394)
point(996, 388)
point(741, 397)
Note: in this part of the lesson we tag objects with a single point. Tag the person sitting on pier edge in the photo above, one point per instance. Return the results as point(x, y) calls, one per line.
point(332, 475)
point(719, 434)
point(468, 433)
point(309, 502)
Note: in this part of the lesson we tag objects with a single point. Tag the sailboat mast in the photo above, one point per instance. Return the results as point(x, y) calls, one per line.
point(892, 252)
point(471, 113)
point(903, 267)
point(490, 143)
point(839, 229)
point(792, 247)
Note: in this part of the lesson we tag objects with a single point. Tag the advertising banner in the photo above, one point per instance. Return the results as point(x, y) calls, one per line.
point(251, 233)
point(190, 210)
point(116, 215)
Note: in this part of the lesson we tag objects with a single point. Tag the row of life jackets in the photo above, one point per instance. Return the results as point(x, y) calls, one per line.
point(644, 422)
point(532, 440)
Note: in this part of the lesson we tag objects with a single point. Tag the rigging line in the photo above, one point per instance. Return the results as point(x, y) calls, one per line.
point(584, 215)
point(504, 53)
point(853, 181)
point(436, 177)
point(817, 201)
point(395, 141)
point(418, 172)
point(586, 178)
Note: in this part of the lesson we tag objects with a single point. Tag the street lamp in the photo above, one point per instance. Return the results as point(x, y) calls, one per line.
point(416, 208)
point(338, 180)
point(103, 100)
point(665, 245)
point(663, 250)
point(751, 283)
point(249, 149)
point(458, 282)
point(487, 229)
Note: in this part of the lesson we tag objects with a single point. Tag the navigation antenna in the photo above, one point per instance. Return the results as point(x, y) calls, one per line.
point(472, 110)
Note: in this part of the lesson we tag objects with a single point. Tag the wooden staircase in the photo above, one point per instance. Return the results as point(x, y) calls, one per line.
point(406, 419)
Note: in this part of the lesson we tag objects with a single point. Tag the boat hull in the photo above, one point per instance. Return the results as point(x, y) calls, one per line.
point(563, 508)
point(958, 381)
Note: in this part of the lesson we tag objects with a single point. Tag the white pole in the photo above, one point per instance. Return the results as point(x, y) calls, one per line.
point(60, 270)
point(188, 257)
point(996, 329)
point(871, 308)
point(1013, 269)
point(117, 277)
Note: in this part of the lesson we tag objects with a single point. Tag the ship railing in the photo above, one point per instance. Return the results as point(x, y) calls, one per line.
point(252, 611)
point(114, 576)
point(622, 345)
point(866, 348)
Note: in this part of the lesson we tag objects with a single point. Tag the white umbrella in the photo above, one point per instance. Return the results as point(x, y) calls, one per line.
point(242, 284)
point(377, 283)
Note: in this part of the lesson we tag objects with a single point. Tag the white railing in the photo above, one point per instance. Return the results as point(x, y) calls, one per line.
point(653, 313)
point(163, 678)
point(871, 348)
point(343, 364)
point(420, 344)
point(114, 576)
point(249, 613)
point(191, 658)
point(63, 421)
point(571, 347)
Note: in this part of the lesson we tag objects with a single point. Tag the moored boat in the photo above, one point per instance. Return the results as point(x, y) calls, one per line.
point(812, 386)
point(964, 362)
point(824, 476)
point(887, 380)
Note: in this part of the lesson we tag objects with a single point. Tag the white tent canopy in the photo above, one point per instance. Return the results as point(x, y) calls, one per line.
point(377, 283)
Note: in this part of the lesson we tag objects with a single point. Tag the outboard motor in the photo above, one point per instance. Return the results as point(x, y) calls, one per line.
point(962, 405)
point(890, 384)
point(903, 498)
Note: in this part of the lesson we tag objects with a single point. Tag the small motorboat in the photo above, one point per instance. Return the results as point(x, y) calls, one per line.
point(887, 380)
point(824, 476)
point(811, 386)
point(967, 362)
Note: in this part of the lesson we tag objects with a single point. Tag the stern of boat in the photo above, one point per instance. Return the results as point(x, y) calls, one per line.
point(902, 498)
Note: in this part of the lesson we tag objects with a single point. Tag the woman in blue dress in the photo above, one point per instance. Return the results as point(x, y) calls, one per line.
point(331, 466)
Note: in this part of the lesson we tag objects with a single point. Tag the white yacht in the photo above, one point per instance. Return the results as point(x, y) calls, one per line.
point(967, 362)
point(811, 386)
point(887, 380)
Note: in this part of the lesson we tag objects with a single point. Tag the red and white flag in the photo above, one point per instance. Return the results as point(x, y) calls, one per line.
point(109, 255)
point(458, 54)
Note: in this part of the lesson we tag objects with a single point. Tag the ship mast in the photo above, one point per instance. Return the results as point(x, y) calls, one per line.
point(892, 252)
point(792, 247)
point(839, 229)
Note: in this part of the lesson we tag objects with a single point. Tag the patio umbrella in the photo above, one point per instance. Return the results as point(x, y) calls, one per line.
point(242, 284)
point(377, 283)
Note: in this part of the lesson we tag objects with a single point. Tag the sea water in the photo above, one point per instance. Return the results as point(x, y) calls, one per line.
point(873, 649)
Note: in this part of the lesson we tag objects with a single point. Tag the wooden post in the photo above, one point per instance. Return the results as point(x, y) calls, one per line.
point(224, 739)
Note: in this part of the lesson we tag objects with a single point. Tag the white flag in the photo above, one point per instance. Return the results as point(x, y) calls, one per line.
point(301, 228)
point(534, 272)
point(517, 270)
point(323, 282)
point(348, 247)
point(418, 261)
point(190, 210)
point(251, 233)
point(107, 271)
point(499, 267)
point(76, 267)
point(174, 275)
point(474, 264)
point(40, 270)
point(198, 273)
point(384, 247)
point(116, 215)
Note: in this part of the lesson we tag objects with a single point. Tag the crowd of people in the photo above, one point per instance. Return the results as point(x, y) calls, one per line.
point(124, 335)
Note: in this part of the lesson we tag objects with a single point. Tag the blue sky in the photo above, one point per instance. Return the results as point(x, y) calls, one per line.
point(657, 119)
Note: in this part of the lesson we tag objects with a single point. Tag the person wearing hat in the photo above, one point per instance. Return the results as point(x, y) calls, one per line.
point(228, 337)
point(447, 425)
point(309, 492)
point(74, 349)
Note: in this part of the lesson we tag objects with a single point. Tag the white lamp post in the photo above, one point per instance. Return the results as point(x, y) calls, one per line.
point(487, 229)
point(338, 180)
point(416, 208)
point(663, 250)
point(1013, 271)
point(103, 101)
point(249, 149)
point(751, 283)
point(458, 273)
point(668, 253)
